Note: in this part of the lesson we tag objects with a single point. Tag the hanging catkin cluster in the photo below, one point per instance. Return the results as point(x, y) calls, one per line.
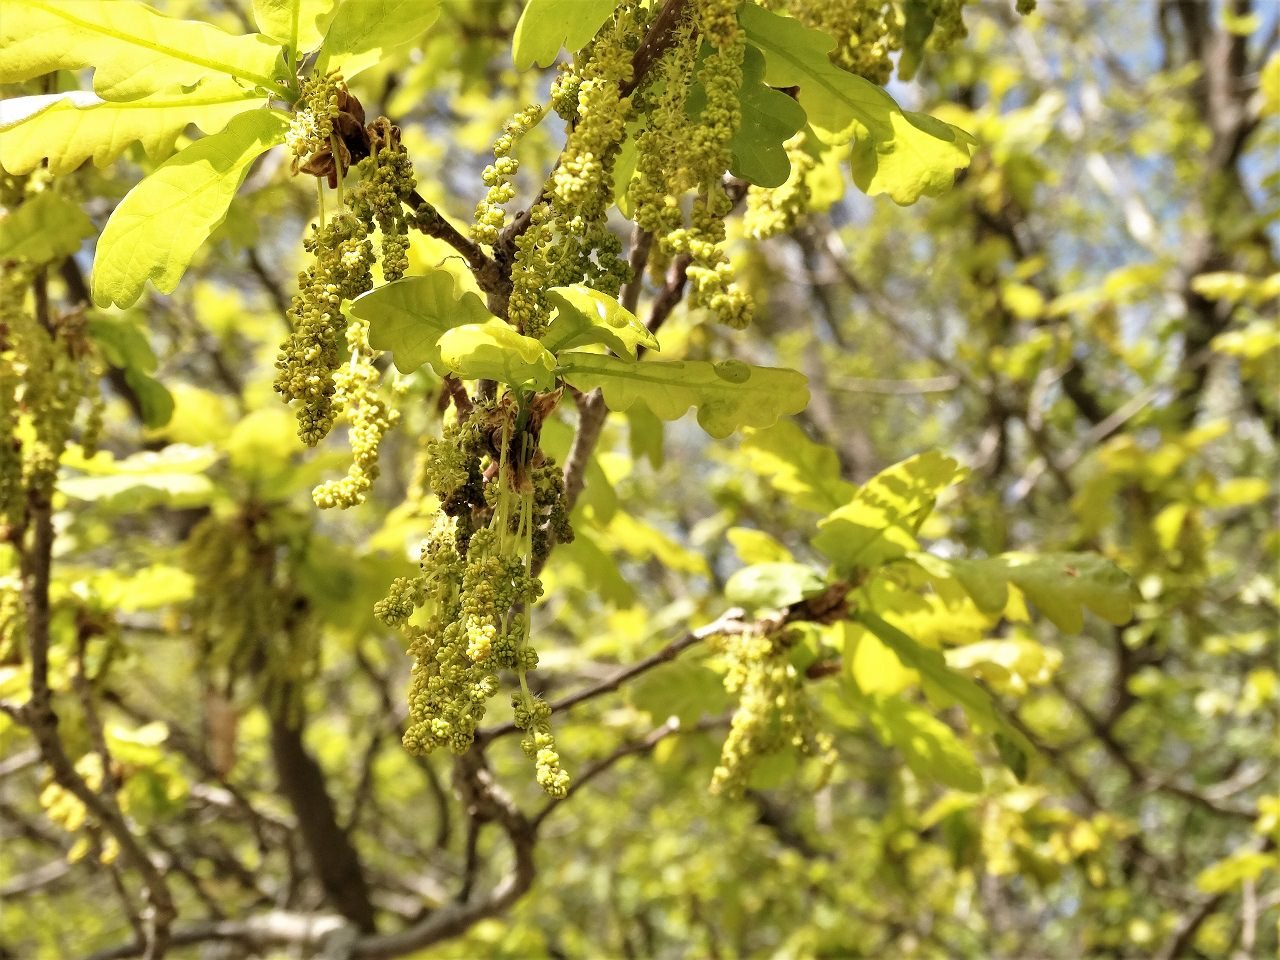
point(326, 364)
point(775, 210)
point(773, 711)
point(490, 218)
point(568, 240)
point(465, 616)
point(356, 391)
point(676, 154)
point(342, 256)
point(45, 374)
point(244, 615)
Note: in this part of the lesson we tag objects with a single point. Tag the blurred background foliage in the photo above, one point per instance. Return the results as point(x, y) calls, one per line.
point(1087, 322)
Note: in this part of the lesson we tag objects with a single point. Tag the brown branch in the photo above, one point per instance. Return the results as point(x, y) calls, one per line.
point(302, 782)
point(661, 34)
point(39, 715)
point(591, 416)
point(491, 278)
point(35, 560)
point(637, 259)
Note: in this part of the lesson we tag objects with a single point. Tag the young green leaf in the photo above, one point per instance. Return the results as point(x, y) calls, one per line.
point(1061, 585)
point(880, 522)
point(125, 345)
point(920, 159)
point(69, 128)
point(298, 24)
point(930, 747)
point(174, 474)
point(586, 316)
point(154, 399)
point(407, 317)
point(772, 585)
point(47, 227)
point(807, 473)
point(133, 50)
point(494, 350)
point(904, 155)
point(362, 33)
point(547, 25)
point(940, 679)
point(918, 24)
point(165, 219)
point(122, 342)
point(727, 397)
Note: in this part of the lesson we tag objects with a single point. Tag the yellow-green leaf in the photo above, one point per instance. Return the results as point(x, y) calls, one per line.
point(1061, 585)
point(725, 399)
point(772, 585)
point(133, 49)
point(585, 316)
point(930, 747)
point(547, 25)
point(363, 33)
point(47, 227)
point(298, 24)
point(807, 473)
point(880, 522)
point(408, 316)
point(70, 128)
point(906, 155)
point(756, 546)
point(494, 350)
point(165, 219)
point(1233, 870)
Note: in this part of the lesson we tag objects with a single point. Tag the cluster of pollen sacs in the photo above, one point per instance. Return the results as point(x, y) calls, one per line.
point(326, 365)
point(773, 711)
point(48, 370)
point(771, 212)
point(567, 239)
point(869, 32)
point(246, 619)
point(676, 154)
point(465, 616)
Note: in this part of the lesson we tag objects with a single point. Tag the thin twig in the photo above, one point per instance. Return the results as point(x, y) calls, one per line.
point(728, 622)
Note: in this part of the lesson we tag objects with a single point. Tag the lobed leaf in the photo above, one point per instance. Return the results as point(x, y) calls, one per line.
point(545, 26)
point(47, 227)
point(407, 317)
point(158, 227)
point(133, 49)
point(952, 686)
point(298, 24)
point(931, 748)
point(776, 585)
point(906, 155)
point(728, 395)
point(807, 473)
point(880, 522)
point(69, 128)
point(585, 316)
point(495, 350)
point(1061, 585)
point(155, 402)
point(174, 475)
point(361, 34)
